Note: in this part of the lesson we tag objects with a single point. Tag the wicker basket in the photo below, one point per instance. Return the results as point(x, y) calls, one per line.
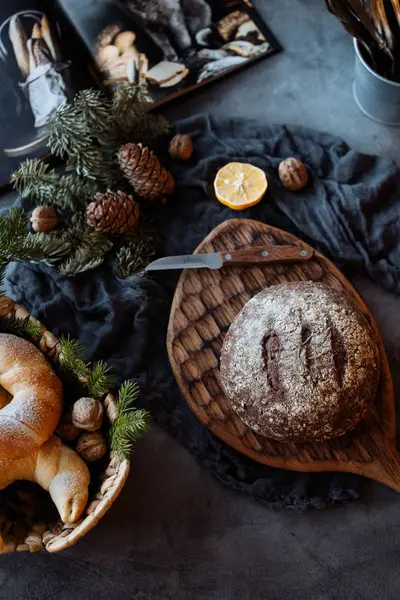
point(20, 529)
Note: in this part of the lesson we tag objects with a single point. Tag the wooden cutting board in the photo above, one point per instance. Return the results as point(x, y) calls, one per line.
point(204, 306)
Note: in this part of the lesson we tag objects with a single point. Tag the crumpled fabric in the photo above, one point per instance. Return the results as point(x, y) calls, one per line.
point(349, 211)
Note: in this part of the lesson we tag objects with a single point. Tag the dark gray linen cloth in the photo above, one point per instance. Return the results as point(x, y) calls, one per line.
point(349, 210)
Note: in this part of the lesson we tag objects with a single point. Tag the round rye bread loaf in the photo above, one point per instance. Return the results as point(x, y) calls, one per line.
point(300, 363)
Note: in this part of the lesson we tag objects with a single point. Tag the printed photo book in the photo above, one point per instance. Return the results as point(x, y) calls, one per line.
point(51, 49)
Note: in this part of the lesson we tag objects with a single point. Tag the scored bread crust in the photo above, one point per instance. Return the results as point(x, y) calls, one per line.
point(34, 411)
point(300, 363)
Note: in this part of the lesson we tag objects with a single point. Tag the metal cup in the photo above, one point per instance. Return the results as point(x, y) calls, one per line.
point(377, 97)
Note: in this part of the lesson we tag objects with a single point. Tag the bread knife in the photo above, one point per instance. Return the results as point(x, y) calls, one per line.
point(216, 260)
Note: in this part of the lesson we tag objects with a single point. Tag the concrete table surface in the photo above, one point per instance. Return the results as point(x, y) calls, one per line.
point(175, 533)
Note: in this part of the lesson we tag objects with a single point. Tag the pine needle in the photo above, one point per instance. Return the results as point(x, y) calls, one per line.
point(133, 259)
point(137, 249)
point(100, 379)
point(87, 133)
point(130, 422)
point(68, 132)
point(57, 245)
point(15, 242)
point(35, 178)
point(89, 254)
point(71, 358)
point(131, 112)
point(27, 328)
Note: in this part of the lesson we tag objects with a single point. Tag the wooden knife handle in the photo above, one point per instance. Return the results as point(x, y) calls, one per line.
point(267, 254)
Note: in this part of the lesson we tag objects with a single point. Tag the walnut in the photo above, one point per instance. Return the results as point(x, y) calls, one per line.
point(293, 174)
point(68, 431)
point(91, 445)
point(180, 147)
point(87, 413)
point(44, 218)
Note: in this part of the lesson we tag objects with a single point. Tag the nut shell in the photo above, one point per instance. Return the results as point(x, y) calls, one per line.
point(44, 218)
point(180, 147)
point(92, 446)
point(68, 431)
point(293, 174)
point(87, 413)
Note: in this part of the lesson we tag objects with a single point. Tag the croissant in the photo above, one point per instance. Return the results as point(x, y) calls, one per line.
point(57, 469)
point(30, 409)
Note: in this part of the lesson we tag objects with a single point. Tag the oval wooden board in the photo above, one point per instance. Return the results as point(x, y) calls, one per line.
point(204, 306)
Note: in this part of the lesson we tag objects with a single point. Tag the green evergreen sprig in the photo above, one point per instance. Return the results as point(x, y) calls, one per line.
point(131, 109)
point(71, 359)
point(87, 134)
point(131, 259)
point(15, 242)
point(137, 249)
point(130, 422)
point(27, 328)
point(89, 254)
point(35, 178)
point(100, 378)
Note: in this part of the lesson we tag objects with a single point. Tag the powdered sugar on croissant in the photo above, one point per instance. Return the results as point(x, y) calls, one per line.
point(30, 409)
point(35, 393)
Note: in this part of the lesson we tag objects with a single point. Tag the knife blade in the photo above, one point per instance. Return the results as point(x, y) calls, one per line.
point(216, 260)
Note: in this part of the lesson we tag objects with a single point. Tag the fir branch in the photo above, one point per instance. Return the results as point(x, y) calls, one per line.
point(131, 95)
point(75, 192)
point(15, 242)
point(148, 127)
point(95, 109)
point(73, 137)
point(129, 423)
point(28, 328)
point(34, 178)
point(57, 245)
point(96, 378)
point(89, 254)
point(133, 258)
point(136, 249)
point(100, 379)
point(93, 163)
point(130, 109)
point(68, 132)
point(71, 358)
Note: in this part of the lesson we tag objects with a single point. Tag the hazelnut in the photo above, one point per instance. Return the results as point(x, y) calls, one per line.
point(180, 147)
point(293, 174)
point(87, 413)
point(91, 445)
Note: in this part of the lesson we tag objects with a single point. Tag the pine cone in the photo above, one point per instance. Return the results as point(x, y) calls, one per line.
point(144, 172)
point(112, 212)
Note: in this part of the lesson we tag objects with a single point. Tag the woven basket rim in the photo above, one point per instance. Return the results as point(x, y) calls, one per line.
point(111, 485)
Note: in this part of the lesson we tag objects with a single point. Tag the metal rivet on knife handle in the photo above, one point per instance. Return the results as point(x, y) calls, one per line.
point(264, 253)
point(228, 256)
point(303, 253)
